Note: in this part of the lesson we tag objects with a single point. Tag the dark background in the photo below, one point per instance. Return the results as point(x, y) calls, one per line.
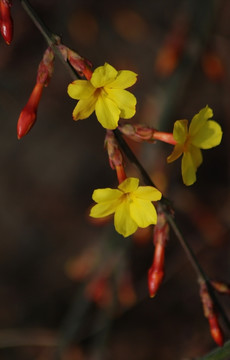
point(47, 178)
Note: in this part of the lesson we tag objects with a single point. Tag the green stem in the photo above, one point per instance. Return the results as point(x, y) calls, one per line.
point(52, 40)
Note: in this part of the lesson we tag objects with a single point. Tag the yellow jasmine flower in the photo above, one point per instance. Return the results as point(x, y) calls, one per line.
point(201, 134)
point(104, 93)
point(131, 204)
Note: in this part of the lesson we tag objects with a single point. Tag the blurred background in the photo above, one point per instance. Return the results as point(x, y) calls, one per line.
point(75, 290)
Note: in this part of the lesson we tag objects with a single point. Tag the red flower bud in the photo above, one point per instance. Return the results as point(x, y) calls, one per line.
point(156, 272)
point(222, 288)
point(6, 22)
point(215, 330)
point(211, 314)
point(80, 64)
point(115, 156)
point(28, 114)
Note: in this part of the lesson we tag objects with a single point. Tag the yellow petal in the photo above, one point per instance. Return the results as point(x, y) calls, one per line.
point(80, 89)
point(129, 185)
point(107, 194)
point(180, 131)
point(177, 151)
point(84, 108)
point(143, 212)
point(107, 113)
point(188, 169)
point(147, 193)
point(124, 79)
point(208, 136)
point(103, 75)
point(104, 209)
point(125, 101)
point(196, 155)
point(123, 223)
point(199, 120)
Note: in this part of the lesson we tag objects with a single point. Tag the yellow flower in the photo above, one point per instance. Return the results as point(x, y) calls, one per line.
point(105, 94)
point(131, 204)
point(201, 134)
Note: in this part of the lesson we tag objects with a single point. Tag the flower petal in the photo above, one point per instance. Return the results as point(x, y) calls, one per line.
point(147, 193)
point(125, 101)
point(199, 120)
point(84, 108)
point(123, 223)
point(107, 112)
point(208, 136)
point(104, 209)
point(128, 185)
point(143, 212)
point(103, 75)
point(80, 89)
point(180, 131)
point(177, 151)
point(196, 155)
point(124, 79)
point(107, 194)
point(188, 169)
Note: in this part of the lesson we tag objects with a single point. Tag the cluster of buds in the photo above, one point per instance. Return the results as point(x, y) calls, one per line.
point(160, 238)
point(80, 64)
point(139, 133)
point(28, 114)
point(211, 314)
point(116, 160)
point(6, 22)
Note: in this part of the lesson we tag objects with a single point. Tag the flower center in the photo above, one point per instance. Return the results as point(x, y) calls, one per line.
point(100, 92)
point(187, 143)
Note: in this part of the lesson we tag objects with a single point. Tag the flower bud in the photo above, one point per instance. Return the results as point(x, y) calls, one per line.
point(156, 272)
point(80, 64)
point(211, 314)
point(6, 22)
point(115, 156)
point(28, 114)
point(222, 288)
point(45, 68)
point(139, 133)
point(215, 330)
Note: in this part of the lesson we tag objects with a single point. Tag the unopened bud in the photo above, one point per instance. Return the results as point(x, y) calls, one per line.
point(139, 133)
point(45, 68)
point(28, 114)
point(211, 314)
point(222, 288)
point(80, 64)
point(6, 22)
point(156, 272)
point(215, 330)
